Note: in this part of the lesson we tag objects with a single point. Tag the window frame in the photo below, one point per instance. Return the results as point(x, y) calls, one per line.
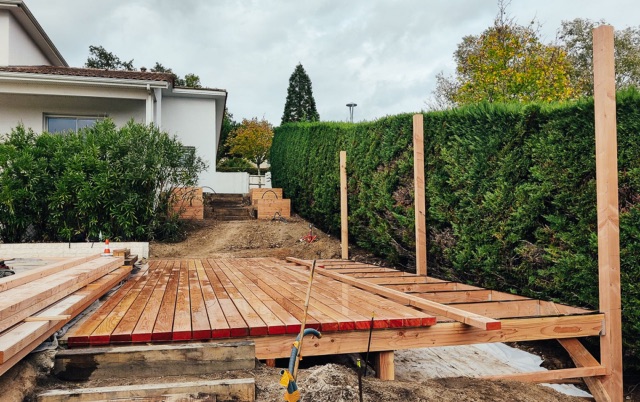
point(76, 117)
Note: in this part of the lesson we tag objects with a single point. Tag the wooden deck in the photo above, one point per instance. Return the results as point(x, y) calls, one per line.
point(263, 298)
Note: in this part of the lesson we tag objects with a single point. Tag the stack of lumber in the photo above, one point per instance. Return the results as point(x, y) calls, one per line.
point(129, 259)
point(188, 203)
point(269, 203)
point(37, 303)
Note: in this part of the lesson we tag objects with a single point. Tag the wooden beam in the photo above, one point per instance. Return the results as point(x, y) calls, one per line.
point(385, 367)
point(465, 317)
point(582, 358)
point(344, 211)
point(607, 205)
point(242, 389)
point(551, 375)
point(36, 318)
point(420, 202)
point(441, 334)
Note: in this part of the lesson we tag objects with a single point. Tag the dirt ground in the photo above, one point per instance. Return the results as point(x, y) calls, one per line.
point(319, 380)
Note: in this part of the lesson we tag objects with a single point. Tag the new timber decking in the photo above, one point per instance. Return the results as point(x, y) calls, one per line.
point(263, 298)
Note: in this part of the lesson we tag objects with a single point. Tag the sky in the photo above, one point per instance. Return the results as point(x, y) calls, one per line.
point(383, 55)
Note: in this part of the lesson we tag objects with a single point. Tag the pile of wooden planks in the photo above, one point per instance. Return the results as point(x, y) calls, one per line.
point(269, 203)
point(37, 303)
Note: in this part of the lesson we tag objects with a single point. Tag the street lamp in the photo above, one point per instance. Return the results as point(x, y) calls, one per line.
point(351, 106)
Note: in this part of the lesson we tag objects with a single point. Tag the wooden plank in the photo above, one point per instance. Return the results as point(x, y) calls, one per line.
point(344, 211)
point(123, 331)
point(431, 287)
point(466, 296)
point(485, 323)
point(16, 302)
point(80, 336)
point(18, 340)
point(163, 327)
point(550, 375)
point(290, 302)
point(182, 315)
point(275, 325)
point(607, 204)
point(256, 324)
point(265, 194)
point(242, 389)
point(386, 312)
point(143, 330)
point(267, 209)
point(442, 334)
point(420, 197)
point(143, 361)
point(400, 279)
point(22, 278)
point(217, 321)
point(385, 367)
point(200, 327)
point(582, 358)
point(102, 334)
point(47, 318)
point(237, 325)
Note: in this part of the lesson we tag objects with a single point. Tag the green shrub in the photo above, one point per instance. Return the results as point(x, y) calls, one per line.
point(103, 179)
point(238, 165)
point(511, 201)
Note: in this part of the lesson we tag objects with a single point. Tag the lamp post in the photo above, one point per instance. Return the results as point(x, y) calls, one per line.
point(351, 106)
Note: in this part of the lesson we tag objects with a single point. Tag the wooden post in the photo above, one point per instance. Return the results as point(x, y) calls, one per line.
point(420, 204)
point(385, 368)
point(344, 213)
point(607, 204)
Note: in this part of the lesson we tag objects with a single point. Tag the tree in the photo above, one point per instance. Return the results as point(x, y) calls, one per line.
point(300, 105)
point(228, 125)
point(577, 40)
point(252, 140)
point(507, 62)
point(100, 58)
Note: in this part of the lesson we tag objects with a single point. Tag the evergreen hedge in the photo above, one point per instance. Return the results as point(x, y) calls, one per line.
point(511, 195)
point(102, 179)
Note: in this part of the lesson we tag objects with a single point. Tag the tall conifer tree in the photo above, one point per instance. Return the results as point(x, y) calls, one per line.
point(300, 105)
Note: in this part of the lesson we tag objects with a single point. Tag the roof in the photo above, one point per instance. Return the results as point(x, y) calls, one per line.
point(33, 28)
point(90, 72)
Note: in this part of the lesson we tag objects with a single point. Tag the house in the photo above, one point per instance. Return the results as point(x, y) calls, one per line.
point(41, 91)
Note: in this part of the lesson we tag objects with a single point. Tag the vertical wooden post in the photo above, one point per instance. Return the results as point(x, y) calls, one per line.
point(420, 204)
point(344, 213)
point(607, 202)
point(385, 366)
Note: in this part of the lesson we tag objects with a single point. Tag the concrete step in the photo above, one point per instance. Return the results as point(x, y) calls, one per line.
point(153, 360)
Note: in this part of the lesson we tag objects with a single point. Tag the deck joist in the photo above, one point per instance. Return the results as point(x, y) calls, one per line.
point(263, 299)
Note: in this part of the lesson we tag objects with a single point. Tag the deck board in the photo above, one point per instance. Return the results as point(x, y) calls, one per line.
point(198, 299)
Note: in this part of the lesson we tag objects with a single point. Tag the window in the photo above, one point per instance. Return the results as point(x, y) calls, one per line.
point(61, 124)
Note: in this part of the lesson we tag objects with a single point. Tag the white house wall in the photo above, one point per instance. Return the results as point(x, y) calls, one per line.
point(193, 120)
point(16, 47)
point(30, 109)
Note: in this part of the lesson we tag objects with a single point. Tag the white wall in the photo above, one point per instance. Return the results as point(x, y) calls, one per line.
point(5, 18)
point(22, 50)
point(30, 109)
point(230, 182)
point(193, 120)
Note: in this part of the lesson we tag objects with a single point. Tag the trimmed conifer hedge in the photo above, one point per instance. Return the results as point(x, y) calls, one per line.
point(511, 195)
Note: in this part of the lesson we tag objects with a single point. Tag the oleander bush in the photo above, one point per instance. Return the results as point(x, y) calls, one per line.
point(511, 195)
point(102, 179)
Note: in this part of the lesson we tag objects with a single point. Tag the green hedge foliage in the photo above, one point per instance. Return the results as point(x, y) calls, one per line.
point(103, 179)
point(511, 200)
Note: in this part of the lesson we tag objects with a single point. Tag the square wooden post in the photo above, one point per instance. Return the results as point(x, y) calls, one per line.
point(607, 204)
point(344, 213)
point(420, 202)
point(385, 366)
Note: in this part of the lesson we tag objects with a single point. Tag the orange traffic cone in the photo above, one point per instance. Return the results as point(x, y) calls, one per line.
point(107, 250)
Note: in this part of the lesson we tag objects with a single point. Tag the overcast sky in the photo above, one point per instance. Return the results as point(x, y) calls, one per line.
point(381, 54)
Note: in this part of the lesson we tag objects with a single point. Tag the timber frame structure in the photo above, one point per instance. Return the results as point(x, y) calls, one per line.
point(259, 299)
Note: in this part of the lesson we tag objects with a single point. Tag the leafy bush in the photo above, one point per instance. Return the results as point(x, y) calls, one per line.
point(238, 165)
point(511, 196)
point(70, 187)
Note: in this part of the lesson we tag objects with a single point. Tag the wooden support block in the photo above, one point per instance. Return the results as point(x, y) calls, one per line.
point(121, 252)
point(242, 389)
point(265, 194)
point(153, 360)
point(270, 362)
point(267, 209)
point(385, 366)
